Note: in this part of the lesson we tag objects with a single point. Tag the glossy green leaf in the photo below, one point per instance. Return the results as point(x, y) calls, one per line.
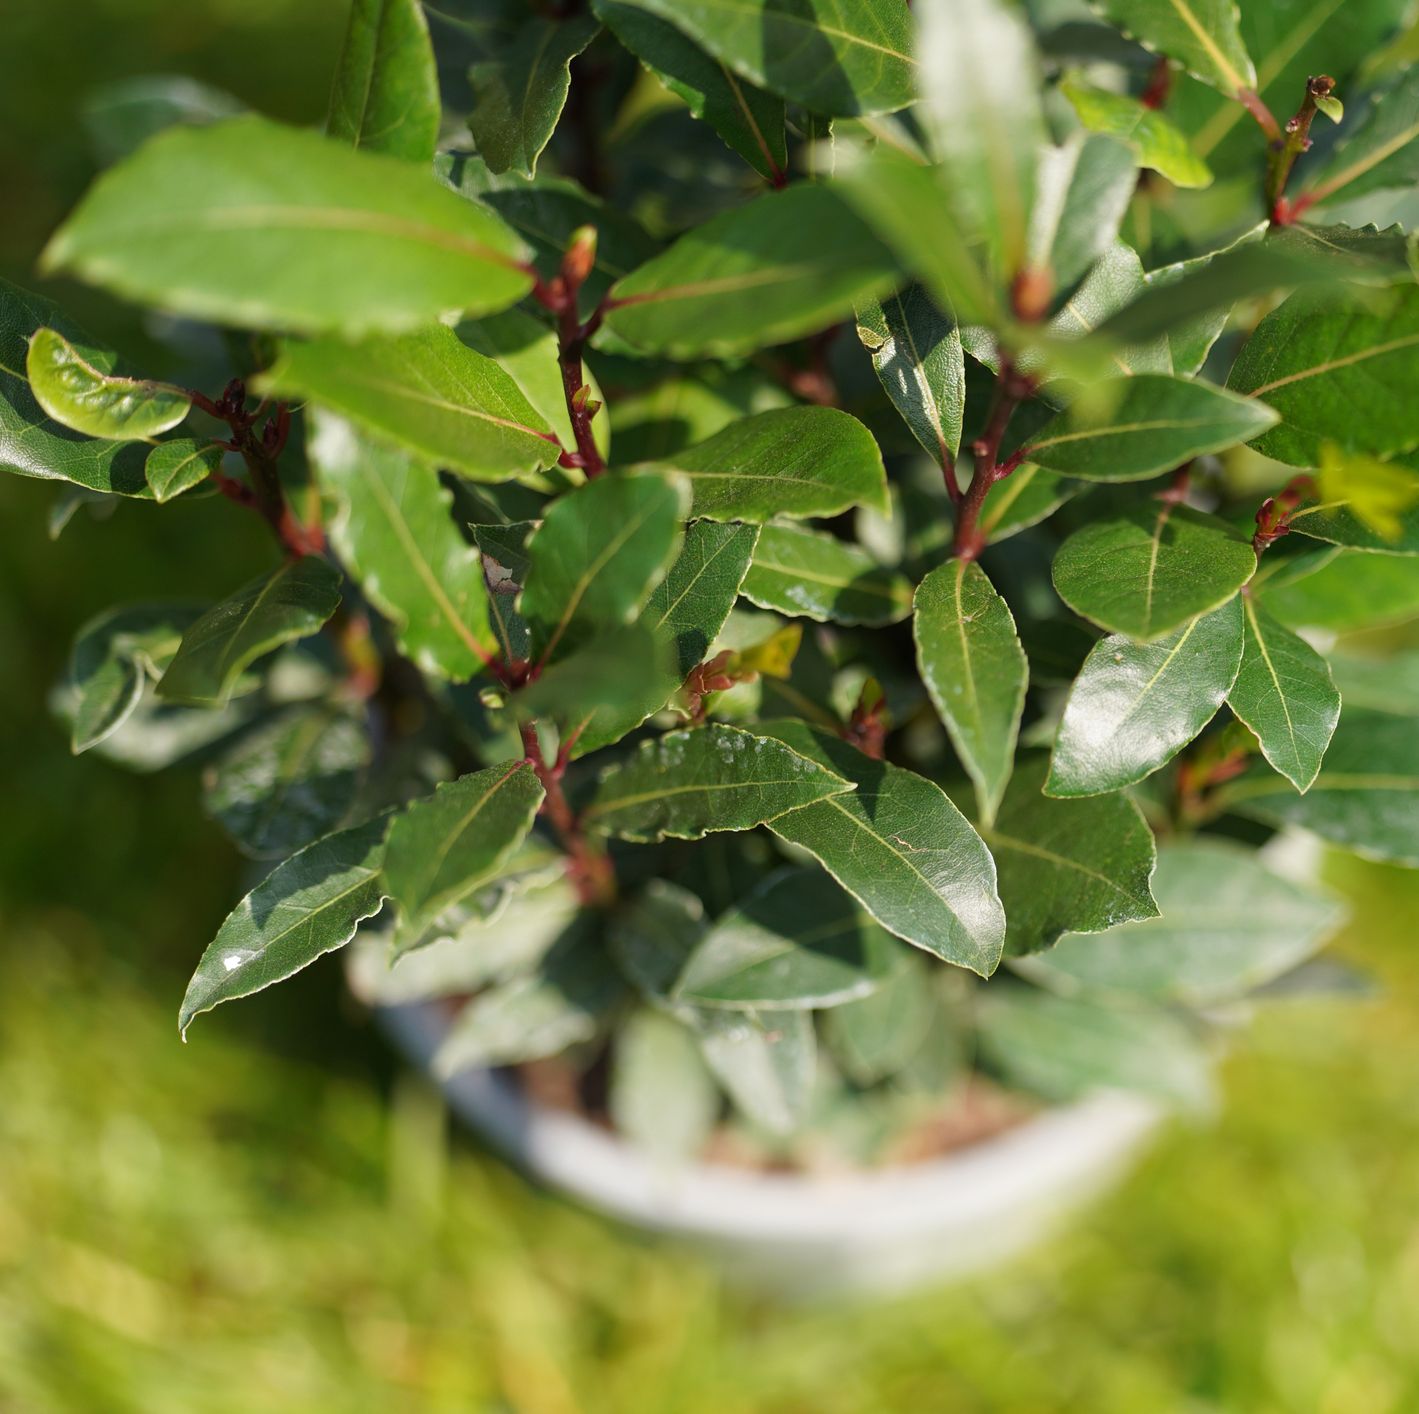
point(386, 94)
point(1226, 926)
point(1148, 572)
point(753, 276)
point(1285, 694)
point(1067, 865)
point(427, 391)
point(1366, 797)
point(877, 1035)
point(268, 227)
point(1133, 428)
point(446, 845)
point(916, 350)
point(113, 657)
point(307, 906)
point(1349, 589)
point(177, 466)
point(1337, 369)
point(1134, 706)
point(832, 56)
point(1024, 498)
point(900, 847)
point(975, 670)
point(1116, 279)
point(980, 88)
point(1190, 335)
point(521, 87)
point(1083, 191)
point(1156, 142)
point(806, 574)
point(796, 462)
point(662, 1096)
point(767, 1061)
point(686, 784)
point(611, 672)
point(687, 608)
point(291, 602)
point(1202, 35)
point(1382, 151)
point(794, 943)
point(750, 120)
point(99, 404)
point(597, 556)
point(1065, 1048)
point(289, 781)
point(394, 529)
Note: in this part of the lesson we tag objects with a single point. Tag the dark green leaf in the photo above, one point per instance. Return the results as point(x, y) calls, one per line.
point(1156, 142)
point(307, 906)
point(1134, 706)
point(1068, 865)
point(1202, 35)
point(427, 391)
point(289, 603)
point(1285, 694)
point(804, 573)
point(686, 784)
point(177, 466)
point(611, 673)
point(395, 531)
point(877, 1035)
point(753, 276)
point(1024, 498)
point(121, 115)
point(794, 943)
point(798, 461)
point(1147, 573)
point(445, 846)
point(597, 556)
point(386, 94)
point(900, 847)
point(767, 1061)
point(1132, 428)
point(262, 226)
point(975, 671)
point(1366, 798)
point(1349, 589)
point(1226, 926)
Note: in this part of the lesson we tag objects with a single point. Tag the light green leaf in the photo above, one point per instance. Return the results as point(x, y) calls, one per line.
point(263, 226)
point(689, 608)
point(794, 943)
point(386, 94)
point(1156, 142)
point(753, 276)
point(447, 845)
point(767, 1061)
point(686, 784)
point(1366, 797)
point(1380, 152)
point(877, 1035)
point(798, 461)
point(307, 906)
point(1336, 368)
point(597, 556)
point(900, 847)
point(113, 656)
point(916, 350)
point(980, 86)
point(662, 1096)
point(835, 57)
point(1364, 502)
point(806, 574)
point(1285, 694)
point(1148, 572)
point(975, 671)
point(99, 404)
point(1024, 498)
point(1083, 191)
point(1134, 706)
point(1133, 428)
point(427, 391)
point(1067, 865)
point(1226, 927)
point(394, 529)
point(750, 120)
point(177, 466)
point(290, 603)
point(1347, 590)
point(521, 88)
point(1202, 35)
point(289, 781)
point(653, 935)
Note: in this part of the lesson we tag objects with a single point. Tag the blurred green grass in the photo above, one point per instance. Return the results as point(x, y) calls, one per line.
point(277, 1218)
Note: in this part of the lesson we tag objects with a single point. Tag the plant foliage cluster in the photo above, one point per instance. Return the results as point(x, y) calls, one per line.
point(770, 499)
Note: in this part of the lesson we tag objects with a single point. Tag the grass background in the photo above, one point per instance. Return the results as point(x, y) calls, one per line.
point(276, 1218)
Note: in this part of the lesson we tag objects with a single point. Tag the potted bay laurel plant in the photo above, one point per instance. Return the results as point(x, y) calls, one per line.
point(811, 550)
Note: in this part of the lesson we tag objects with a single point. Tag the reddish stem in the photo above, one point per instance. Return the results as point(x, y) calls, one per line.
point(1011, 388)
point(588, 867)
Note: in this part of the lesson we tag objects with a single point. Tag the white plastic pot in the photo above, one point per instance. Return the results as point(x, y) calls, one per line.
point(803, 1237)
